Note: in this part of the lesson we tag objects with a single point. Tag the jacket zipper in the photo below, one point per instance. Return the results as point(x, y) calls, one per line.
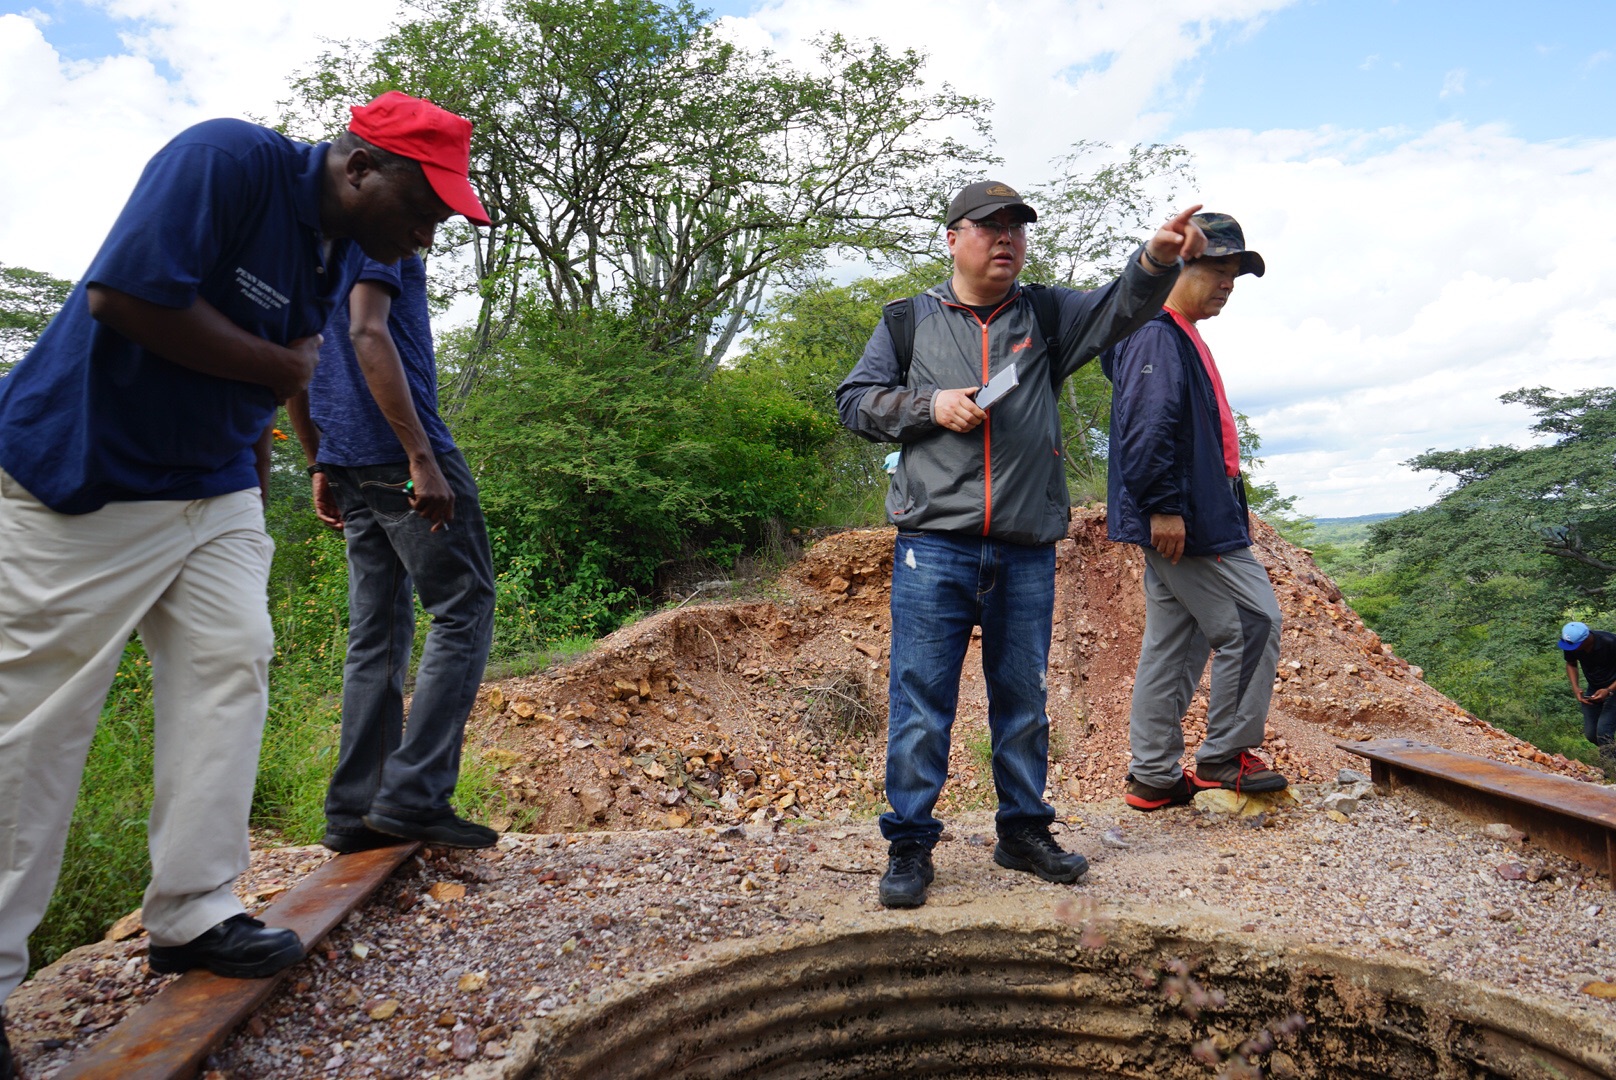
point(987, 423)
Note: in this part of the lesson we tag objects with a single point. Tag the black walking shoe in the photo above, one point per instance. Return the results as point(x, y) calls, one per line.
point(909, 871)
point(241, 947)
point(1144, 797)
point(8, 1067)
point(345, 841)
point(447, 830)
point(1032, 849)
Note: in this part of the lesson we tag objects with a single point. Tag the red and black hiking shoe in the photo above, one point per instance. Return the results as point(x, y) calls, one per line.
point(1244, 773)
point(1142, 796)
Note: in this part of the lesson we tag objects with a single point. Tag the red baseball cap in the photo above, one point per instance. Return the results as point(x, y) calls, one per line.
point(421, 131)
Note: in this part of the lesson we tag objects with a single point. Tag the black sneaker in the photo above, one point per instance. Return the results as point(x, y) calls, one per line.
point(346, 841)
point(8, 1066)
point(1144, 797)
point(1243, 772)
point(447, 830)
point(1032, 849)
point(241, 947)
point(909, 871)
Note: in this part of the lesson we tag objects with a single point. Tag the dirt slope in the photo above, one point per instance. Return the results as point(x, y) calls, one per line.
point(724, 712)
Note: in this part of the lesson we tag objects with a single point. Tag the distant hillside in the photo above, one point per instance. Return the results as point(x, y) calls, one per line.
point(1345, 530)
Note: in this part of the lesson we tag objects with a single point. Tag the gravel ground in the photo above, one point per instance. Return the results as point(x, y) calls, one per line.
point(460, 949)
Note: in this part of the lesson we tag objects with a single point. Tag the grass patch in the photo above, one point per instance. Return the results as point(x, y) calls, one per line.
point(533, 661)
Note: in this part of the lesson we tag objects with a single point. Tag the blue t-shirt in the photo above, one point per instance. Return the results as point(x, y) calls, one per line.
point(353, 430)
point(229, 212)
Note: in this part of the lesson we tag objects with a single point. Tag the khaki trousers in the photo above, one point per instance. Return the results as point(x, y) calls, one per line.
point(192, 577)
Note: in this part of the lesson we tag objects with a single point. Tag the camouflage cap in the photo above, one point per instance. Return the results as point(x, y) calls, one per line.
point(985, 197)
point(1223, 237)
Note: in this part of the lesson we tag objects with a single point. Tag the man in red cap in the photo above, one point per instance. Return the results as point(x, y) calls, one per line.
point(133, 452)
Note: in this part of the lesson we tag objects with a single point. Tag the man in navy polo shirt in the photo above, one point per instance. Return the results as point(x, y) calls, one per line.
point(133, 448)
point(387, 473)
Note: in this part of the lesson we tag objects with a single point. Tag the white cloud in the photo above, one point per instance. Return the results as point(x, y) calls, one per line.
point(1453, 83)
point(1411, 281)
point(77, 133)
point(1057, 70)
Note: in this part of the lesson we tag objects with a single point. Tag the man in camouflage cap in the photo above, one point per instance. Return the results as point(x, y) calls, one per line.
point(1174, 488)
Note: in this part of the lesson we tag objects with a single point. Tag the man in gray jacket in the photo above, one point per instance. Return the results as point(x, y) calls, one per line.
point(979, 498)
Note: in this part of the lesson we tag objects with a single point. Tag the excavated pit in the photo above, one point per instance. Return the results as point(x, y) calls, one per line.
point(945, 995)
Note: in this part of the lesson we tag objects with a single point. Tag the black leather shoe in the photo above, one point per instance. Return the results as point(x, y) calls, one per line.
point(344, 841)
point(909, 871)
point(8, 1067)
point(241, 947)
point(1032, 849)
point(447, 830)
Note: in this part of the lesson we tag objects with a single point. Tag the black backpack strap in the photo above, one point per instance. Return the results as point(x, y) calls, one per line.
point(1046, 308)
point(899, 318)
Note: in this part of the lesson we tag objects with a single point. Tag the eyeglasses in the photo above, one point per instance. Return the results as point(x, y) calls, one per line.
point(996, 229)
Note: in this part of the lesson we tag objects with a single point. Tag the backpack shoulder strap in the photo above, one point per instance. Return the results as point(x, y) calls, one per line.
point(1046, 308)
point(899, 317)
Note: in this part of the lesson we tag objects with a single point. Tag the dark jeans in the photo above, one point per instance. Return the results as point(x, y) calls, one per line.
point(943, 585)
point(401, 770)
point(1599, 721)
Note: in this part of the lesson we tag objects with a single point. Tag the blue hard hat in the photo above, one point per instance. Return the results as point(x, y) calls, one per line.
point(1573, 634)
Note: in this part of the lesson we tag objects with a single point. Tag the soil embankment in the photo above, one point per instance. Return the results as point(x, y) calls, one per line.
point(755, 710)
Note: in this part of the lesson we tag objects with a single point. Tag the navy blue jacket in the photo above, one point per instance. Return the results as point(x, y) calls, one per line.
point(1167, 444)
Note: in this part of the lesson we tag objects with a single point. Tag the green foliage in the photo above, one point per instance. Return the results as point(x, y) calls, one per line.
point(29, 299)
point(1475, 587)
point(805, 343)
point(601, 459)
point(631, 157)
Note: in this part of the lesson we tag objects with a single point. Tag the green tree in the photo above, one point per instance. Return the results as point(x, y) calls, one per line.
point(632, 159)
point(1475, 586)
point(29, 299)
point(601, 459)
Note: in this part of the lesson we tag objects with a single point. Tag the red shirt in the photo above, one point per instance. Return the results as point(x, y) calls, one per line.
point(1231, 434)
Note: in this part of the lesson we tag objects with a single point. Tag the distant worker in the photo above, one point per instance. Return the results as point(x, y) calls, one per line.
point(1174, 488)
point(386, 473)
point(1595, 650)
point(980, 499)
point(134, 443)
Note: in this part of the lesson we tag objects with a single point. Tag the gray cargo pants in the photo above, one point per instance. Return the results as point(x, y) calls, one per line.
point(1205, 603)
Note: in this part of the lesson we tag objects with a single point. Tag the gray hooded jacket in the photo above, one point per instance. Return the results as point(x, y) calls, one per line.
point(1006, 479)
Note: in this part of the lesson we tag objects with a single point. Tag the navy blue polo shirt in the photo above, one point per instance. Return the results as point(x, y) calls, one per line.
point(228, 212)
point(353, 430)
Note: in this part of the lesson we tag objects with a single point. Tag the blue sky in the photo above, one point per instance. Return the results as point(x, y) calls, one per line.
point(1546, 69)
point(1428, 181)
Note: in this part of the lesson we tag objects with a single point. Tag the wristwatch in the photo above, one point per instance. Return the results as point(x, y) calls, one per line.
point(316, 467)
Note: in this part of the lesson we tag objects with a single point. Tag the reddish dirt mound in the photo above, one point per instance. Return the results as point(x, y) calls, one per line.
point(765, 709)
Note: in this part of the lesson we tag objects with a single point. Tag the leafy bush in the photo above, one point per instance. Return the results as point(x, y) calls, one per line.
point(601, 459)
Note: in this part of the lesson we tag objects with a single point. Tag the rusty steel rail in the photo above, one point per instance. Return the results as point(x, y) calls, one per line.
point(171, 1036)
point(1569, 816)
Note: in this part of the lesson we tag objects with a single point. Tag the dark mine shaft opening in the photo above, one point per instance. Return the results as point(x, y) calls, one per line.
point(946, 996)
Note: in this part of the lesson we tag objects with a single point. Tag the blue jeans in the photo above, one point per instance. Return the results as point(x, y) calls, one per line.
point(408, 771)
point(943, 584)
point(1599, 721)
